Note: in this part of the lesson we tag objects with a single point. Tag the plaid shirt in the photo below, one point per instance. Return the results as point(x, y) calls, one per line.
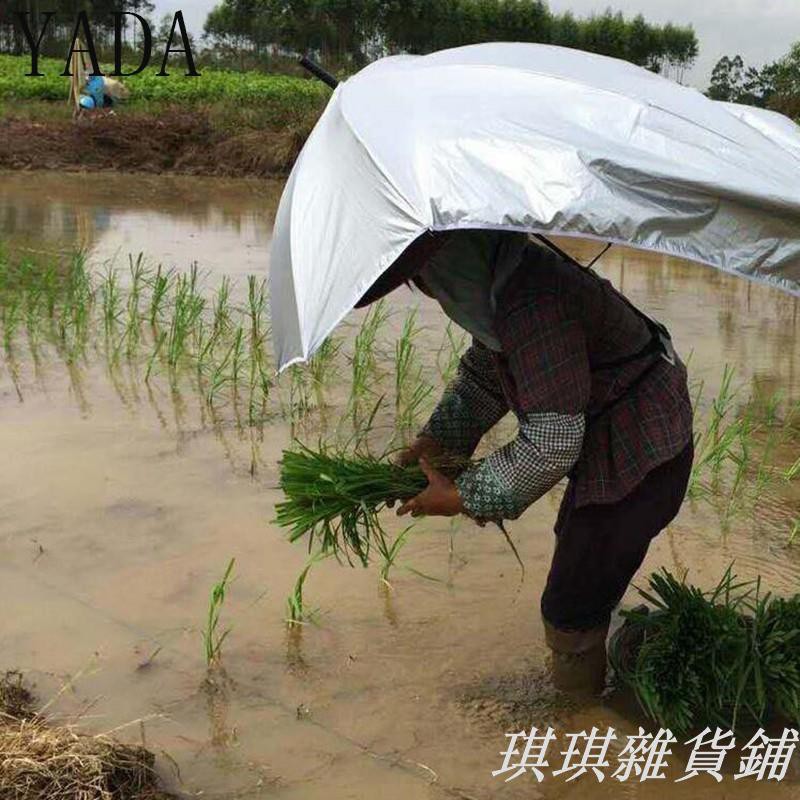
point(505, 483)
point(605, 426)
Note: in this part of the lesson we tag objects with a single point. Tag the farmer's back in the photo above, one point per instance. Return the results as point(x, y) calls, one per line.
point(572, 344)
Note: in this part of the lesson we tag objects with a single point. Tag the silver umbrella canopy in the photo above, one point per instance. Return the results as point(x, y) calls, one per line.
point(529, 138)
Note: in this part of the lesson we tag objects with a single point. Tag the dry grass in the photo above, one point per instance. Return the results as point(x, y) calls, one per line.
point(58, 762)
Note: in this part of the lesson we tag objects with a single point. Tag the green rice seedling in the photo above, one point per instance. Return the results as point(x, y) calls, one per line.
point(260, 385)
point(112, 300)
point(34, 305)
point(159, 292)
point(336, 500)
point(364, 360)
point(78, 305)
point(11, 317)
point(795, 531)
point(772, 407)
point(256, 303)
point(221, 307)
point(792, 472)
point(721, 436)
point(133, 327)
point(390, 551)
point(157, 347)
point(321, 367)
point(776, 635)
point(411, 390)
point(296, 611)
point(359, 440)
point(212, 637)
point(300, 402)
point(237, 356)
point(766, 471)
point(188, 307)
point(450, 351)
point(219, 377)
point(715, 444)
point(791, 422)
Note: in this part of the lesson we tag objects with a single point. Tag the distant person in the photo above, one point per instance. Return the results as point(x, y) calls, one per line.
point(599, 396)
point(100, 92)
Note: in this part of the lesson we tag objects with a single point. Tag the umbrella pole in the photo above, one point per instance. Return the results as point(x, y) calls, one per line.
point(318, 72)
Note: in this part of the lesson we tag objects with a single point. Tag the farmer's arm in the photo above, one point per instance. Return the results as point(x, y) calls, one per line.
point(472, 404)
point(505, 483)
point(547, 359)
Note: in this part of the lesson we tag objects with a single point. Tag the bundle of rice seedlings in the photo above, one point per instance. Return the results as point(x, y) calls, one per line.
point(776, 639)
point(336, 500)
point(58, 762)
point(725, 657)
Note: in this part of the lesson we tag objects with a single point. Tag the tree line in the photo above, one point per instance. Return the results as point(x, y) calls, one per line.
point(347, 34)
point(61, 27)
point(775, 85)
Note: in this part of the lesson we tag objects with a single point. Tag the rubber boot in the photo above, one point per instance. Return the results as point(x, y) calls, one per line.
point(578, 659)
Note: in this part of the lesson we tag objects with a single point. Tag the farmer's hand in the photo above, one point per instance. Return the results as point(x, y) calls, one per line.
point(422, 447)
point(440, 499)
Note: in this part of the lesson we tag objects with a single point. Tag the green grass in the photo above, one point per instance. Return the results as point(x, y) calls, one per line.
point(275, 96)
point(729, 656)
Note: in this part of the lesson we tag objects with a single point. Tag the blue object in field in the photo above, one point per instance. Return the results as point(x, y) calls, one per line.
point(95, 88)
point(87, 102)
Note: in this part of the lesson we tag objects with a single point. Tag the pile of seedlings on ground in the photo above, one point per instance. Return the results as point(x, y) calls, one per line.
point(57, 762)
point(727, 657)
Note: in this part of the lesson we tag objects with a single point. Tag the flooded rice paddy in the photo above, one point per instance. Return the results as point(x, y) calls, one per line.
point(123, 499)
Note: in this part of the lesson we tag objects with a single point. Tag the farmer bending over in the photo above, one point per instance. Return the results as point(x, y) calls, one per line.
point(599, 396)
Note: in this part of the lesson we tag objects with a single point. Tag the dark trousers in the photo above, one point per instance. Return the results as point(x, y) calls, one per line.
point(599, 547)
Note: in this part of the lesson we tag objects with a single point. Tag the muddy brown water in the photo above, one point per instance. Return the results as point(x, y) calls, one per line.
point(122, 503)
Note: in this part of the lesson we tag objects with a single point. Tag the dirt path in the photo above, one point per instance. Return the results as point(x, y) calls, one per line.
point(181, 142)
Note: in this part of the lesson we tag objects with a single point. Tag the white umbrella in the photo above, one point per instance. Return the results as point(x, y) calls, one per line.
point(522, 137)
point(780, 129)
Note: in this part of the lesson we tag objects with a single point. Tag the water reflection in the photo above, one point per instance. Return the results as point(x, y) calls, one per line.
point(223, 225)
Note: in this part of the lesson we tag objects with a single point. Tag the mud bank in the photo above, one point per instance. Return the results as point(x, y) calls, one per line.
point(180, 142)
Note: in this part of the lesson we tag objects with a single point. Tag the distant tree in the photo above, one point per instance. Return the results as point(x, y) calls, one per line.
point(644, 44)
point(61, 27)
point(786, 88)
point(727, 79)
point(734, 82)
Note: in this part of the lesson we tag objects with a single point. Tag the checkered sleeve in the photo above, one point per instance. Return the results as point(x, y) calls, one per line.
point(472, 404)
point(505, 483)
